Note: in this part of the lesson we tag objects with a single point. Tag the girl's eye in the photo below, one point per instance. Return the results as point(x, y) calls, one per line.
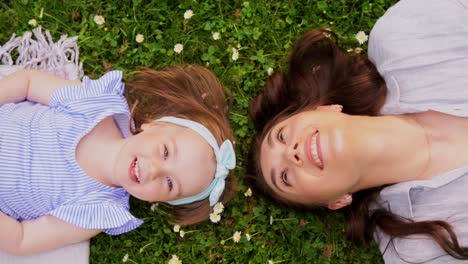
point(166, 152)
point(169, 183)
point(279, 135)
point(284, 178)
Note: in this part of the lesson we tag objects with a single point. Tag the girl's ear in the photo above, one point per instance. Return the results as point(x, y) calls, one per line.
point(152, 124)
point(341, 202)
point(147, 125)
point(333, 107)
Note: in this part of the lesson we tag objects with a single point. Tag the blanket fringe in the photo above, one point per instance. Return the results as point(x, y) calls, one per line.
point(38, 51)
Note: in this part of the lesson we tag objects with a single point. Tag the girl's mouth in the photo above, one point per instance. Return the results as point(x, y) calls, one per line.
point(313, 150)
point(134, 171)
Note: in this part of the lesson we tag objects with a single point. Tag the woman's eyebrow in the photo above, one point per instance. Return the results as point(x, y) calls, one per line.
point(269, 139)
point(273, 180)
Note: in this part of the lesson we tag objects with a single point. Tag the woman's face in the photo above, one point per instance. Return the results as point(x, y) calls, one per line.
point(309, 157)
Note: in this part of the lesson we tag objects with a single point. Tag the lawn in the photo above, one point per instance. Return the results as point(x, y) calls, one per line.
point(262, 33)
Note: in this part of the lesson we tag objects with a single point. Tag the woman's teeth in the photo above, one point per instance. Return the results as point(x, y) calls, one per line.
point(136, 171)
point(313, 147)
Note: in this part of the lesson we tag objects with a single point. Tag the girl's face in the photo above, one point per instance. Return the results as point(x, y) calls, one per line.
point(308, 157)
point(165, 162)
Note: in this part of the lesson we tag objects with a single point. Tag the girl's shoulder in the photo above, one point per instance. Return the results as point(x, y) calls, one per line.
point(89, 90)
point(95, 100)
point(100, 210)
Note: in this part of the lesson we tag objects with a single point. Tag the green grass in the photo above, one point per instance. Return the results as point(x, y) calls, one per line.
point(263, 31)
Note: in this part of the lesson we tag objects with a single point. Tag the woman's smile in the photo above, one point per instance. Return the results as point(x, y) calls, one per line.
point(313, 150)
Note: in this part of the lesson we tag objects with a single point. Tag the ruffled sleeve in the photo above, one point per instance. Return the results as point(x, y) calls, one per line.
point(93, 97)
point(114, 219)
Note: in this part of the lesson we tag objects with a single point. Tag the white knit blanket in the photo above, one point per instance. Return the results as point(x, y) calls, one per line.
point(37, 50)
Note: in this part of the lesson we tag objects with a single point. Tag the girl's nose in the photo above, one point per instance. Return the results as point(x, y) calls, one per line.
point(155, 169)
point(293, 154)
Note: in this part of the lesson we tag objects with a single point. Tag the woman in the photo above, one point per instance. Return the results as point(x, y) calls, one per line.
point(391, 150)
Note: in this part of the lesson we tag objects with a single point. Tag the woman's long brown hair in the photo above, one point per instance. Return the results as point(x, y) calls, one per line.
point(321, 73)
point(186, 91)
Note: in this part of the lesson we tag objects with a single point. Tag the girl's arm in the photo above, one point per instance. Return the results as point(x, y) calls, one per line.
point(33, 236)
point(31, 85)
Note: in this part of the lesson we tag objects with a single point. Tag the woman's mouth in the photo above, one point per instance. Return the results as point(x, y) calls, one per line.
point(313, 150)
point(134, 171)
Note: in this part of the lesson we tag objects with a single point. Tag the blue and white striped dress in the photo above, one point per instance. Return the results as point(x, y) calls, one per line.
point(39, 173)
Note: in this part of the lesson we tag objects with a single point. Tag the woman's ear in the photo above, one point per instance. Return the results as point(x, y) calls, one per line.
point(333, 107)
point(341, 202)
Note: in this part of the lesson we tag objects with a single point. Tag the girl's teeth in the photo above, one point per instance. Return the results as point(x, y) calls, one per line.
point(136, 171)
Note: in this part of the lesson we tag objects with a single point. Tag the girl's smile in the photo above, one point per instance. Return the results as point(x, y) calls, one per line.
point(134, 171)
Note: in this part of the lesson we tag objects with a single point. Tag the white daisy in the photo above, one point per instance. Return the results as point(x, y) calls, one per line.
point(361, 37)
point(188, 14)
point(216, 36)
point(270, 70)
point(139, 38)
point(248, 237)
point(248, 193)
point(176, 228)
point(178, 48)
point(175, 260)
point(125, 258)
point(32, 22)
point(237, 236)
point(214, 217)
point(99, 19)
point(235, 54)
point(218, 208)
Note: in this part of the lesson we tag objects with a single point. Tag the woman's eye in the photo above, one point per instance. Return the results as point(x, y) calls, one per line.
point(284, 178)
point(279, 135)
point(169, 183)
point(166, 152)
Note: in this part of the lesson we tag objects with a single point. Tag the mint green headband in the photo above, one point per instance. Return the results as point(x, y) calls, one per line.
point(225, 161)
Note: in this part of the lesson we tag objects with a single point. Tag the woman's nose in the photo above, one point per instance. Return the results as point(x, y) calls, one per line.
point(293, 154)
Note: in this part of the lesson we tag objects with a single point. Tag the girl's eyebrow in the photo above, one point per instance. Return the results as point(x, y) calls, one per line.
point(175, 148)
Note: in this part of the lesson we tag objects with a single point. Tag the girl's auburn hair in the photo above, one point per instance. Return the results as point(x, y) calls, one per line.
point(322, 73)
point(186, 91)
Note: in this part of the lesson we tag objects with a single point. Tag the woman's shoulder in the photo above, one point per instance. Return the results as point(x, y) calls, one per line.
point(413, 27)
point(441, 198)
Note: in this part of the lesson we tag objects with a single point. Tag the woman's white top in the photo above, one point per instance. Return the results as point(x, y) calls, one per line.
point(420, 47)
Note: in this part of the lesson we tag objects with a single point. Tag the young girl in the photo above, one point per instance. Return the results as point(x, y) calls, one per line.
point(71, 155)
point(387, 143)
